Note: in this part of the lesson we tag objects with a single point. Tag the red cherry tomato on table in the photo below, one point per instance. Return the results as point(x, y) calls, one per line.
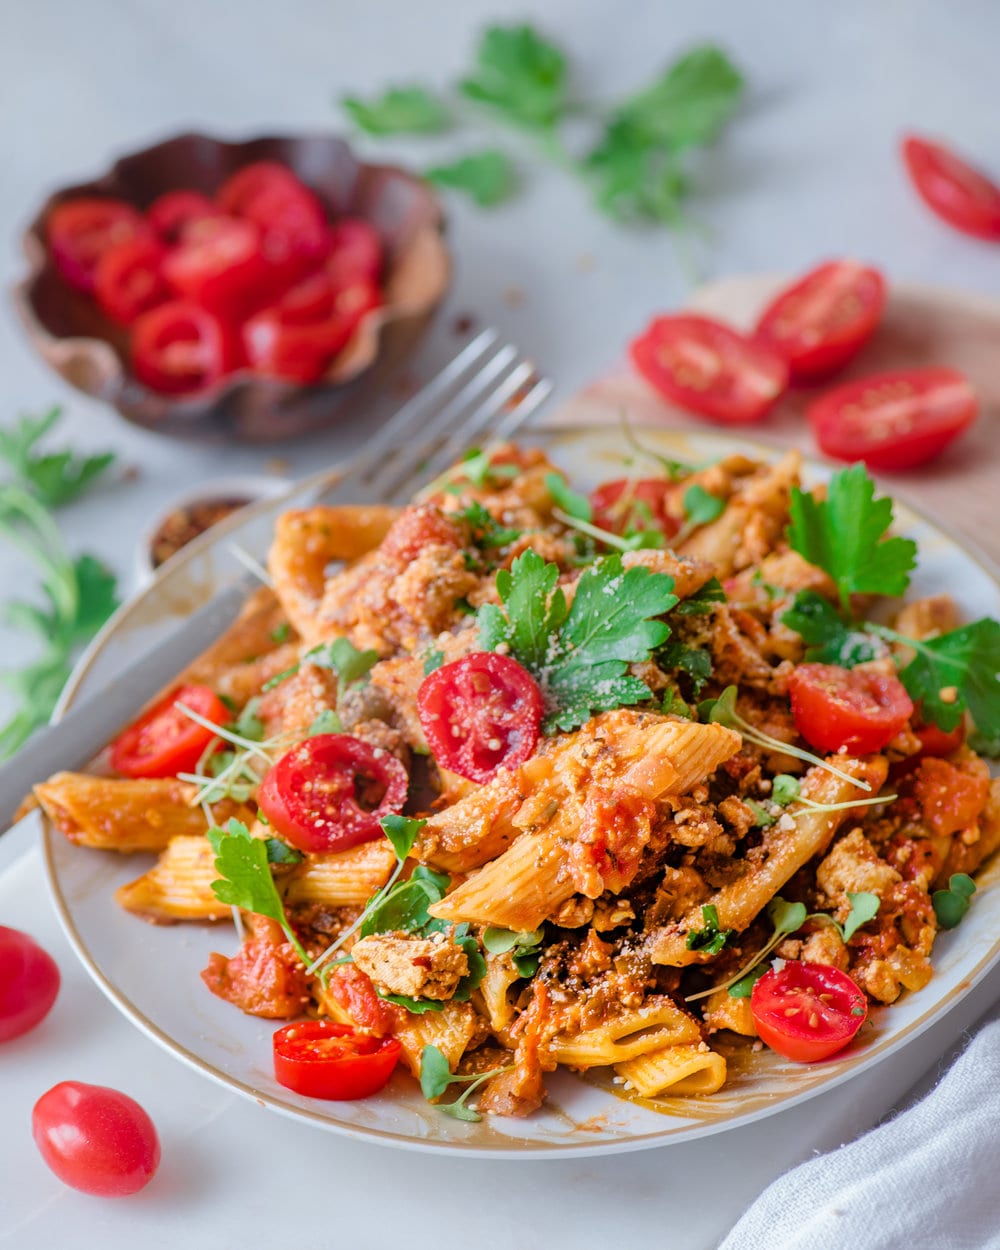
point(163, 741)
point(96, 1139)
point(80, 231)
point(953, 189)
point(329, 793)
point(129, 279)
point(630, 504)
point(709, 369)
point(480, 713)
point(851, 709)
point(807, 1011)
point(172, 213)
point(325, 1060)
point(29, 983)
point(824, 319)
point(179, 348)
point(894, 420)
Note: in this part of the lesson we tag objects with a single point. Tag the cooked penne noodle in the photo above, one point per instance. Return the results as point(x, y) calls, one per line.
point(178, 886)
point(675, 1070)
point(341, 878)
point(659, 1022)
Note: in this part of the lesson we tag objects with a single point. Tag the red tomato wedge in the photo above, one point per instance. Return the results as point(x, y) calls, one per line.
point(709, 369)
point(178, 348)
point(851, 709)
point(163, 741)
point(894, 421)
point(321, 1059)
point(95, 1139)
point(480, 713)
point(80, 231)
point(807, 1011)
point(173, 212)
point(129, 279)
point(824, 318)
point(29, 983)
point(953, 189)
point(329, 793)
point(629, 504)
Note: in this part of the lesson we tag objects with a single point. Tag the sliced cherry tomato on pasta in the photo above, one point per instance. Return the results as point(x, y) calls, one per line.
point(321, 1059)
point(807, 1011)
point(939, 742)
point(129, 279)
point(629, 504)
point(95, 1139)
point(856, 709)
point(480, 713)
point(163, 741)
point(178, 348)
point(824, 318)
point(709, 369)
point(952, 189)
point(29, 983)
point(894, 420)
point(220, 265)
point(172, 213)
point(80, 231)
point(355, 251)
point(330, 792)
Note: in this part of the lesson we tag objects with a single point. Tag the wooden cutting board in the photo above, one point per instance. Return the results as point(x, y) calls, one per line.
point(922, 326)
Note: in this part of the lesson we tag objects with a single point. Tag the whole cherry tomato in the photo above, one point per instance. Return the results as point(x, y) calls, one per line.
point(29, 983)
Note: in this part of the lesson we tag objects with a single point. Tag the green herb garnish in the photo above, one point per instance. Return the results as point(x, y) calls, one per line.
point(951, 905)
point(436, 1076)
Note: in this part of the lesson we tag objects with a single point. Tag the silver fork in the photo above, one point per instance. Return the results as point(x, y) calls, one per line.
point(489, 388)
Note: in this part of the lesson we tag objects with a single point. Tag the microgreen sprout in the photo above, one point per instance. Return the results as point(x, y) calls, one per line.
point(436, 1076)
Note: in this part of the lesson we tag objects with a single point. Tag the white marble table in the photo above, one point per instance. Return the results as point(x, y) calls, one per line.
point(810, 170)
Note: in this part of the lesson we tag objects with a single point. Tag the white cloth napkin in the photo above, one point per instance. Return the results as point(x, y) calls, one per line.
point(930, 1178)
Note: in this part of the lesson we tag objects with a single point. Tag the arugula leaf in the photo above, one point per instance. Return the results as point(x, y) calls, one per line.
point(710, 939)
point(399, 110)
point(520, 75)
point(829, 640)
point(572, 502)
point(402, 832)
point(56, 478)
point(525, 948)
point(845, 536)
point(951, 905)
point(703, 600)
point(958, 671)
point(488, 177)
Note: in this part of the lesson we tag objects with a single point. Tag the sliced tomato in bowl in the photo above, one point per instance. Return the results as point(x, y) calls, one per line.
point(295, 235)
point(129, 279)
point(807, 1012)
point(896, 420)
point(952, 189)
point(172, 213)
point(710, 369)
point(179, 348)
point(220, 265)
point(824, 319)
point(279, 343)
point(81, 230)
point(854, 709)
point(355, 251)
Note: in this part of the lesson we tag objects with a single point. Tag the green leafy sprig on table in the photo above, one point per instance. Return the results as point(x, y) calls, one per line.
point(637, 160)
point(55, 477)
point(846, 536)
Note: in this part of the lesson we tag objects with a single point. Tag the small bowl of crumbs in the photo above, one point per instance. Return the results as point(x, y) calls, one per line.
point(195, 511)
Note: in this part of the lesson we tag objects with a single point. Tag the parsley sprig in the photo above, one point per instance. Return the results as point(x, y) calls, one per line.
point(55, 478)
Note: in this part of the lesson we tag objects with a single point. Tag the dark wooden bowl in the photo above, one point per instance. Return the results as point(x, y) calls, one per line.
point(90, 351)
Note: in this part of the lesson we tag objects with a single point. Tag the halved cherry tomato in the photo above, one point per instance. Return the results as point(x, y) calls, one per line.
point(355, 251)
point(480, 713)
point(847, 709)
point(709, 369)
point(95, 1139)
point(807, 1011)
point(953, 189)
point(129, 279)
point(173, 212)
point(278, 343)
point(629, 504)
point(321, 1059)
point(894, 420)
point(220, 265)
point(822, 320)
point(29, 983)
point(938, 742)
point(80, 231)
point(330, 792)
point(163, 741)
point(178, 348)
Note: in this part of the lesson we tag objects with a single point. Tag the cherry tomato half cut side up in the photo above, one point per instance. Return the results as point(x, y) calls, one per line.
point(164, 742)
point(807, 1011)
point(479, 714)
point(95, 1139)
point(129, 279)
point(179, 348)
point(626, 505)
point(894, 421)
point(80, 231)
point(851, 709)
point(824, 318)
point(172, 213)
point(330, 792)
point(29, 983)
point(321, 1059)
point(709, 369)
point(953, 189)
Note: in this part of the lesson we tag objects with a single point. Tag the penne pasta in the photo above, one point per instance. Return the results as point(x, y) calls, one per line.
point(675, 1070)
point(178, 886)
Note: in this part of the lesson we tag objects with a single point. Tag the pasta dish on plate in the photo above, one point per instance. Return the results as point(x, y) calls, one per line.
point(516, 777)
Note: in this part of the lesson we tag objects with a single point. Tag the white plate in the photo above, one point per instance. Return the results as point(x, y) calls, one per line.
point(152, 973)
